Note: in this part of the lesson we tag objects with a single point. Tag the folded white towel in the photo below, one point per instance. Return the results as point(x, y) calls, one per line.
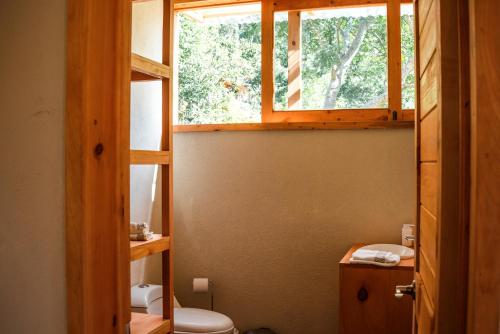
point(138, 227)
point(375, 257)
point(141, 236)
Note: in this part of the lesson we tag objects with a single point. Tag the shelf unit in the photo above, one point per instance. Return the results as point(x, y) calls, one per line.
point(140, 249)
point(149, 323)
point(139, 157)
point(144, 69)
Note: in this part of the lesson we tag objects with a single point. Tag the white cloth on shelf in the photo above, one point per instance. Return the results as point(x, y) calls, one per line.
point(141, 236)
point(365, 256)
point(138, 228)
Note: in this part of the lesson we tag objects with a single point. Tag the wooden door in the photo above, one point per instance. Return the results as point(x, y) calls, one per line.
point(484, 280)
point(442, 107)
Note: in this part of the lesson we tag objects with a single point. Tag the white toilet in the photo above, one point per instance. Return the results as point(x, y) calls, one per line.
point(147, 298)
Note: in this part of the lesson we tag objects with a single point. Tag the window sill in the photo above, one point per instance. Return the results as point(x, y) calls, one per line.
point(295, 126)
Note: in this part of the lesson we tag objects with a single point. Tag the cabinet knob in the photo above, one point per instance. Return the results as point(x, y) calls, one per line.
point(362, 294)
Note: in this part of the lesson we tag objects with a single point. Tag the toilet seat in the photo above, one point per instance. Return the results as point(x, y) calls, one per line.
point(198, 321)
point(147, 298)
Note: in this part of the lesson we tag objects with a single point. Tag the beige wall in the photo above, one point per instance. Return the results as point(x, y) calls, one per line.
point(145, 125)
point(32, 98)
point(268, 215)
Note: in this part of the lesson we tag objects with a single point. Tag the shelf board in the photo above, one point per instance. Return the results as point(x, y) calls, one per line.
point(140, 249)
point(139, 157)
point(148, 324)
point(144, 69)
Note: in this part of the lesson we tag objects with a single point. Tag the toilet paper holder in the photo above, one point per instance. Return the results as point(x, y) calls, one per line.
point(204, 285)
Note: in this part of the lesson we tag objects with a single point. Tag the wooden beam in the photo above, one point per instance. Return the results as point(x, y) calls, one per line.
point(282, 126)
point(394, 56)
point(140, 157)
point(167, 215)
point(287, 5)
point(267, 60)
point(335, 115)
point(197, 4)
point(145, 69)
point(281, 5)
point(294, 60)
point(97, 166)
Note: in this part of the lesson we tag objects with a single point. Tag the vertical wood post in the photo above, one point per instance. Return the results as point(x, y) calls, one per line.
point(97, 166)
point(167, 216)
point(394, 56)
point(267, 60)
point(294, 60)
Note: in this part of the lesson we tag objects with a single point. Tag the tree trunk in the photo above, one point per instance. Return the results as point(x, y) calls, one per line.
point(340, 69)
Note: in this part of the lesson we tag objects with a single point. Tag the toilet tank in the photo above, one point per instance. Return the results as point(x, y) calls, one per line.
point(147, 298)
point(142, 296)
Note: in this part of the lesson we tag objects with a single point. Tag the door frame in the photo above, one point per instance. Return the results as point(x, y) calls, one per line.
point(484, 268)
point(97, 165)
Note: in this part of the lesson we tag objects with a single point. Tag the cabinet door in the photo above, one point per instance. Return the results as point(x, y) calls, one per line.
point(367, 303)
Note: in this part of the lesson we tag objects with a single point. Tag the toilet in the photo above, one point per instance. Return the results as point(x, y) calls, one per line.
point(147, 298)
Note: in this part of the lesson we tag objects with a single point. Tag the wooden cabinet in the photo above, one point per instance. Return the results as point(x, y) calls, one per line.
point(367, 302)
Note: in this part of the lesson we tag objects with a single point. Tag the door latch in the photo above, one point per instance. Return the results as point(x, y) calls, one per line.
point(402, 290)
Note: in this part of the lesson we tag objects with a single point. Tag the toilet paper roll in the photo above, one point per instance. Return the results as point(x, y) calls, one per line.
point(200, 285)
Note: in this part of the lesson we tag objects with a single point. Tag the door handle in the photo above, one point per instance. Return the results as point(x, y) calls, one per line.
point(402, 290)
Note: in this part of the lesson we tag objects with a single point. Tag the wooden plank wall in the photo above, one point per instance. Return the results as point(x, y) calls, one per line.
point(442, 161)
point(427, 116)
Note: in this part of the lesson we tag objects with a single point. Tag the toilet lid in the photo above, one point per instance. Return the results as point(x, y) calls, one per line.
point(194, 320)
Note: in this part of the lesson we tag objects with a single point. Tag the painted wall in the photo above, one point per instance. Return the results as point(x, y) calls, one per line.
point(268, 215)
point(145, 126)
point(32, 104)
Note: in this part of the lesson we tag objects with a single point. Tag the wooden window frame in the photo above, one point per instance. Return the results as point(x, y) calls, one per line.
point(391, 117)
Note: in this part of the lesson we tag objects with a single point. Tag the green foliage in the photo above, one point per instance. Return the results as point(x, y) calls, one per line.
point(220, 66)
point(407, 61)
point(324, 42)
point(219, 72)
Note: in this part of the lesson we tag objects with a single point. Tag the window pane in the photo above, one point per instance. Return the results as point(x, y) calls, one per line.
point(407, 56)
point(219, 60)
point(343, 59)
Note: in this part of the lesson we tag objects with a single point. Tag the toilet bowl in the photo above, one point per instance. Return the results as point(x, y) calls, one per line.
point(147, 298)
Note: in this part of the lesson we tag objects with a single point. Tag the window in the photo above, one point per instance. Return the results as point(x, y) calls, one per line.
point(295, 61)
point(219, 65)
point(407, 56)
point(330, 59)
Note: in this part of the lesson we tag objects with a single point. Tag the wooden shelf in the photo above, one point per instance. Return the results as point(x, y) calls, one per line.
point(144, 69)
point(138, 157)
point(148, 324)
point(140, 249)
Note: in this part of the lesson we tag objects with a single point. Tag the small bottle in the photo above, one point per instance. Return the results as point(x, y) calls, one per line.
point(408, 235)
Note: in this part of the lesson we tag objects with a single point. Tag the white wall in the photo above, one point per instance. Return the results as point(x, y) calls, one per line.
point(145, 124)
point(32, 104)
point(268, 215)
